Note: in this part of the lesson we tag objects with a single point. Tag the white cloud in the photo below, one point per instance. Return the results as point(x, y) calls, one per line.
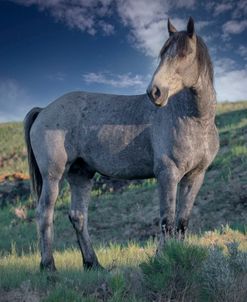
point(237, 8)
point(223, 65)
point(147, 22)
point(230, 81)
point(242, 50)
point(107, 28)
point(139, 82)
point(85, 15)
point(14, 101)
point(221, 8)
point(202, 24)
point(189, 4)
point(231, 86)
point(240, 10)
point(234, 26)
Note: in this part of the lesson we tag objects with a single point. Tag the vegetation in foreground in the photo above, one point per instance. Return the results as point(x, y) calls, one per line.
point(212, 267)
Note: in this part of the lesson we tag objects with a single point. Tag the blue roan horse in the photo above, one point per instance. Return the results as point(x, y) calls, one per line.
point(172, 138)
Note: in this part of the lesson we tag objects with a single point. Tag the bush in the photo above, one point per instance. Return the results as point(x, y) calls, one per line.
point(224, 277)
point(174, 273)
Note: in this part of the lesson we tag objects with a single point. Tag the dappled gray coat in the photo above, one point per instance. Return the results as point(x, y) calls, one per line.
point(128, 137)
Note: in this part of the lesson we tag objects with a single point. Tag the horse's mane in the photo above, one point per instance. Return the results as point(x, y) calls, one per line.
point(181, 39)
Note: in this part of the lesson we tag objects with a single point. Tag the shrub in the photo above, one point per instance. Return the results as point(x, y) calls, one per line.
point(173, 274)
point(224, 277)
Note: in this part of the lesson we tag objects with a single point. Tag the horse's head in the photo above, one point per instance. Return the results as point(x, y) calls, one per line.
point(178, 67)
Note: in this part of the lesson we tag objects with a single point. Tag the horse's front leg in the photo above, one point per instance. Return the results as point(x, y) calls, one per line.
point(167, 184)
point(189, 188)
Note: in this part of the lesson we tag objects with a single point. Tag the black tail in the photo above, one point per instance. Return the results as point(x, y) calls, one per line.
point(35, 176)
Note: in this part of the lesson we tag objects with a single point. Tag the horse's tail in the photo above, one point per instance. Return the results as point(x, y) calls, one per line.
point(35, 176)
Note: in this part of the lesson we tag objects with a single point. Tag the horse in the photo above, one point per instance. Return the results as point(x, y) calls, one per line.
point(168, 133)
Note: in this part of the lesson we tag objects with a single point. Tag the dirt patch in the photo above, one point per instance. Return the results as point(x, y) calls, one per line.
point(16, 295)
point(13, 191)
point(22, 294)
point(14, 176)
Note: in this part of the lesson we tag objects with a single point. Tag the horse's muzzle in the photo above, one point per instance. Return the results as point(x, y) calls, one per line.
point(158, 96)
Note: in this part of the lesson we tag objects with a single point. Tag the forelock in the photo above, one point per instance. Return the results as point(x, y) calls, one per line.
point(177, 44)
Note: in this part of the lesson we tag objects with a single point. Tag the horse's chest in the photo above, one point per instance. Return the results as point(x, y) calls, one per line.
point(192, 147)
point(187, 144)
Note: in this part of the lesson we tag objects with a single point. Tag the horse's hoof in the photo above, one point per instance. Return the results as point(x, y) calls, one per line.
point(48, 266)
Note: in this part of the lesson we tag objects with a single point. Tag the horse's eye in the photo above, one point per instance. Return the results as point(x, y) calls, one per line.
point(182, 55)
point(185, 52)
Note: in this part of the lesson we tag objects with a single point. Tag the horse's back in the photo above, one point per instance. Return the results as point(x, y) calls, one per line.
point(97, 106)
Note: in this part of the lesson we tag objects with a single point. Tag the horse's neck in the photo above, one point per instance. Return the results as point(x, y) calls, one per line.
point(205, 98)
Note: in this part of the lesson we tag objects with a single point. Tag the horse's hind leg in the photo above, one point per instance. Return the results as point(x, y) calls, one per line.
point(189, 188)
point(81, 184)
point(45, 211)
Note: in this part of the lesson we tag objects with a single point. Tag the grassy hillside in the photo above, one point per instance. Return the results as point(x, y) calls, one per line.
point(195, 270)
point(123, 223)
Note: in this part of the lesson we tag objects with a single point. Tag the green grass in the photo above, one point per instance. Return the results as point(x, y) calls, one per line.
point(232, 125)
point(12, 149)
point(183, 271)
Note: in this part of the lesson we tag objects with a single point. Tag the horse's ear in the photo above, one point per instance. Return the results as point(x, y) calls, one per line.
point(171, 28)
point(190, 27)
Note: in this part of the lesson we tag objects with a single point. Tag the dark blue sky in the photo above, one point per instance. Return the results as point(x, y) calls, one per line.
point(51, 47)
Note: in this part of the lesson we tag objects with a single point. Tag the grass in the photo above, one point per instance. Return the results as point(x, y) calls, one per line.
point(184, 271)
point(12, 149)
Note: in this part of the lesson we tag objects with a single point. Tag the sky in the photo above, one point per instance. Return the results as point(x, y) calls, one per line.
point(50, 47)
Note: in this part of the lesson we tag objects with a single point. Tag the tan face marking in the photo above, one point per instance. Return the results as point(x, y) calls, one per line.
point(174, 70)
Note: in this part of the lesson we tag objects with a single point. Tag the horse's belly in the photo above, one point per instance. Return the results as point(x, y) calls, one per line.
point(125, 168)
point(120, 151)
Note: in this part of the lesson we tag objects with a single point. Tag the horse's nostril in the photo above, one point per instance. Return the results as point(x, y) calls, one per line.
point(156, 92)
